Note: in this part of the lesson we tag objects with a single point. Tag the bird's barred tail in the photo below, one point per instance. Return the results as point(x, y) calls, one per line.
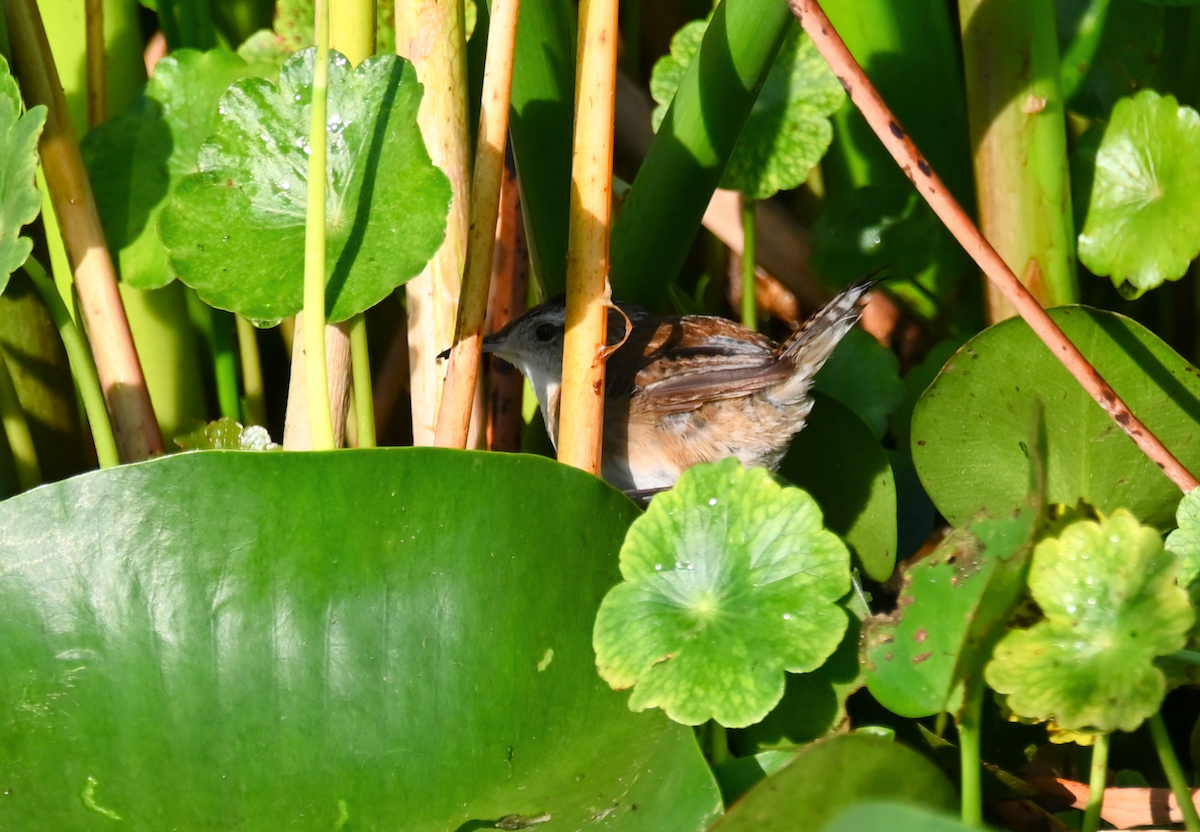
point(812, 344)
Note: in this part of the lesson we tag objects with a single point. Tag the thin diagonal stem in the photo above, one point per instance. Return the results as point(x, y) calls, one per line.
point(930, 186)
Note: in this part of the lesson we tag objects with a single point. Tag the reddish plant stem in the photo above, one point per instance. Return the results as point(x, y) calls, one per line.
point(930, 186)
point(509, 291)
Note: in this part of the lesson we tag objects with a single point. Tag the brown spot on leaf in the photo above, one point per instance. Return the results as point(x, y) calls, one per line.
point(922, 657)
point(920, 635)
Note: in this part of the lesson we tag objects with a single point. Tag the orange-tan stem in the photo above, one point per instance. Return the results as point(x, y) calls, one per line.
point(581, 417)
point(97, 92)
point(120, 371)
point(462, 371)
point(430, 34)
point(930, 186)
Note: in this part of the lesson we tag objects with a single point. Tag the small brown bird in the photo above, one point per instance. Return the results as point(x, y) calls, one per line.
point(685, 389)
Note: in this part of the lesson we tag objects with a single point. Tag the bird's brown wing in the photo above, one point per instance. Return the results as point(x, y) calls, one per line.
point(680, 368)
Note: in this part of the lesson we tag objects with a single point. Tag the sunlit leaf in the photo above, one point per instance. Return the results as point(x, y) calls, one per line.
point(1143, 208)
point(136, 160)
point(970, 430)
point(1111, 604)
point(788, 130)
point(361, 640)
point(730, 579)
point(20, 201)
point(235, 231)
point(225, 434)
point(895, 817)
point(1184, 542)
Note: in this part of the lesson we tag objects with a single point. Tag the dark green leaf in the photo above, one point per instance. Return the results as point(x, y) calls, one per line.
point(837, 460)
point(865, 376)
point(833, 775)
point(730, 579)
point(970, 429)
point(135, 161)
point(362, 639)
point(1110, 49)
point(20, 201)
point(235, 231)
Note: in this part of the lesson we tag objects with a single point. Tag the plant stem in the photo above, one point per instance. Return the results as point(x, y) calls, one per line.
point(581, 416)
point(1170, 764)
point(430, 34)
point(95, 279)
point(969, 755)
point(364, 412)
point(462, 370)
point(225, 363)
point(930, 186)
point(1096, 784)
point(252, 377)
point(1018, 130)
point(16, 431)
point(749, 260)
point(83, 367)
point(319, 415)
point(97, 92)
point(718, 743)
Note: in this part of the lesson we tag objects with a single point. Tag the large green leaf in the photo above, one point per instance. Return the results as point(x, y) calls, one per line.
point(20, 201)
point(730, 579)
point(970, 428)
point(833, 775)
point(366, 640)
point(235, 231)
point(136, 160)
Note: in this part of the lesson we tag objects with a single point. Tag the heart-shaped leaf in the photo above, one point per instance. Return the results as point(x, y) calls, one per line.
point(20, 201)
point(730, 579)
point(235, 231)
point(970, 429)
point(363, 640)
point(788, 130)
point(1143, 208)
point(136, 160)
point(1112, 606)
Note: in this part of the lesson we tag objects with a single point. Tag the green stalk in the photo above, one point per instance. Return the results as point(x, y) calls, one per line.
point(225, 363)
point(83, 366)
point(749, 258)
point(16, 430)
point(718, 743)
point(364, 397)
point(1186, 656)
point(252, 378)
point(666, 202)
point(1096, 784)
point(969, 755)
point(1077, 59)
point(1170, 764)
point(1018, 133)
point(317, 375)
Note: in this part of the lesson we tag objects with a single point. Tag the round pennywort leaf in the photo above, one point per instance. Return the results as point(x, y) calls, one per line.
point(788, 129)
point(1143, 214)
point(1112, 605)
point(235, 231)
point(730, 579)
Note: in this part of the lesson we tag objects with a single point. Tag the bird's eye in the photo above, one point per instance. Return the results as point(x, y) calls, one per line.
point(545, 332)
